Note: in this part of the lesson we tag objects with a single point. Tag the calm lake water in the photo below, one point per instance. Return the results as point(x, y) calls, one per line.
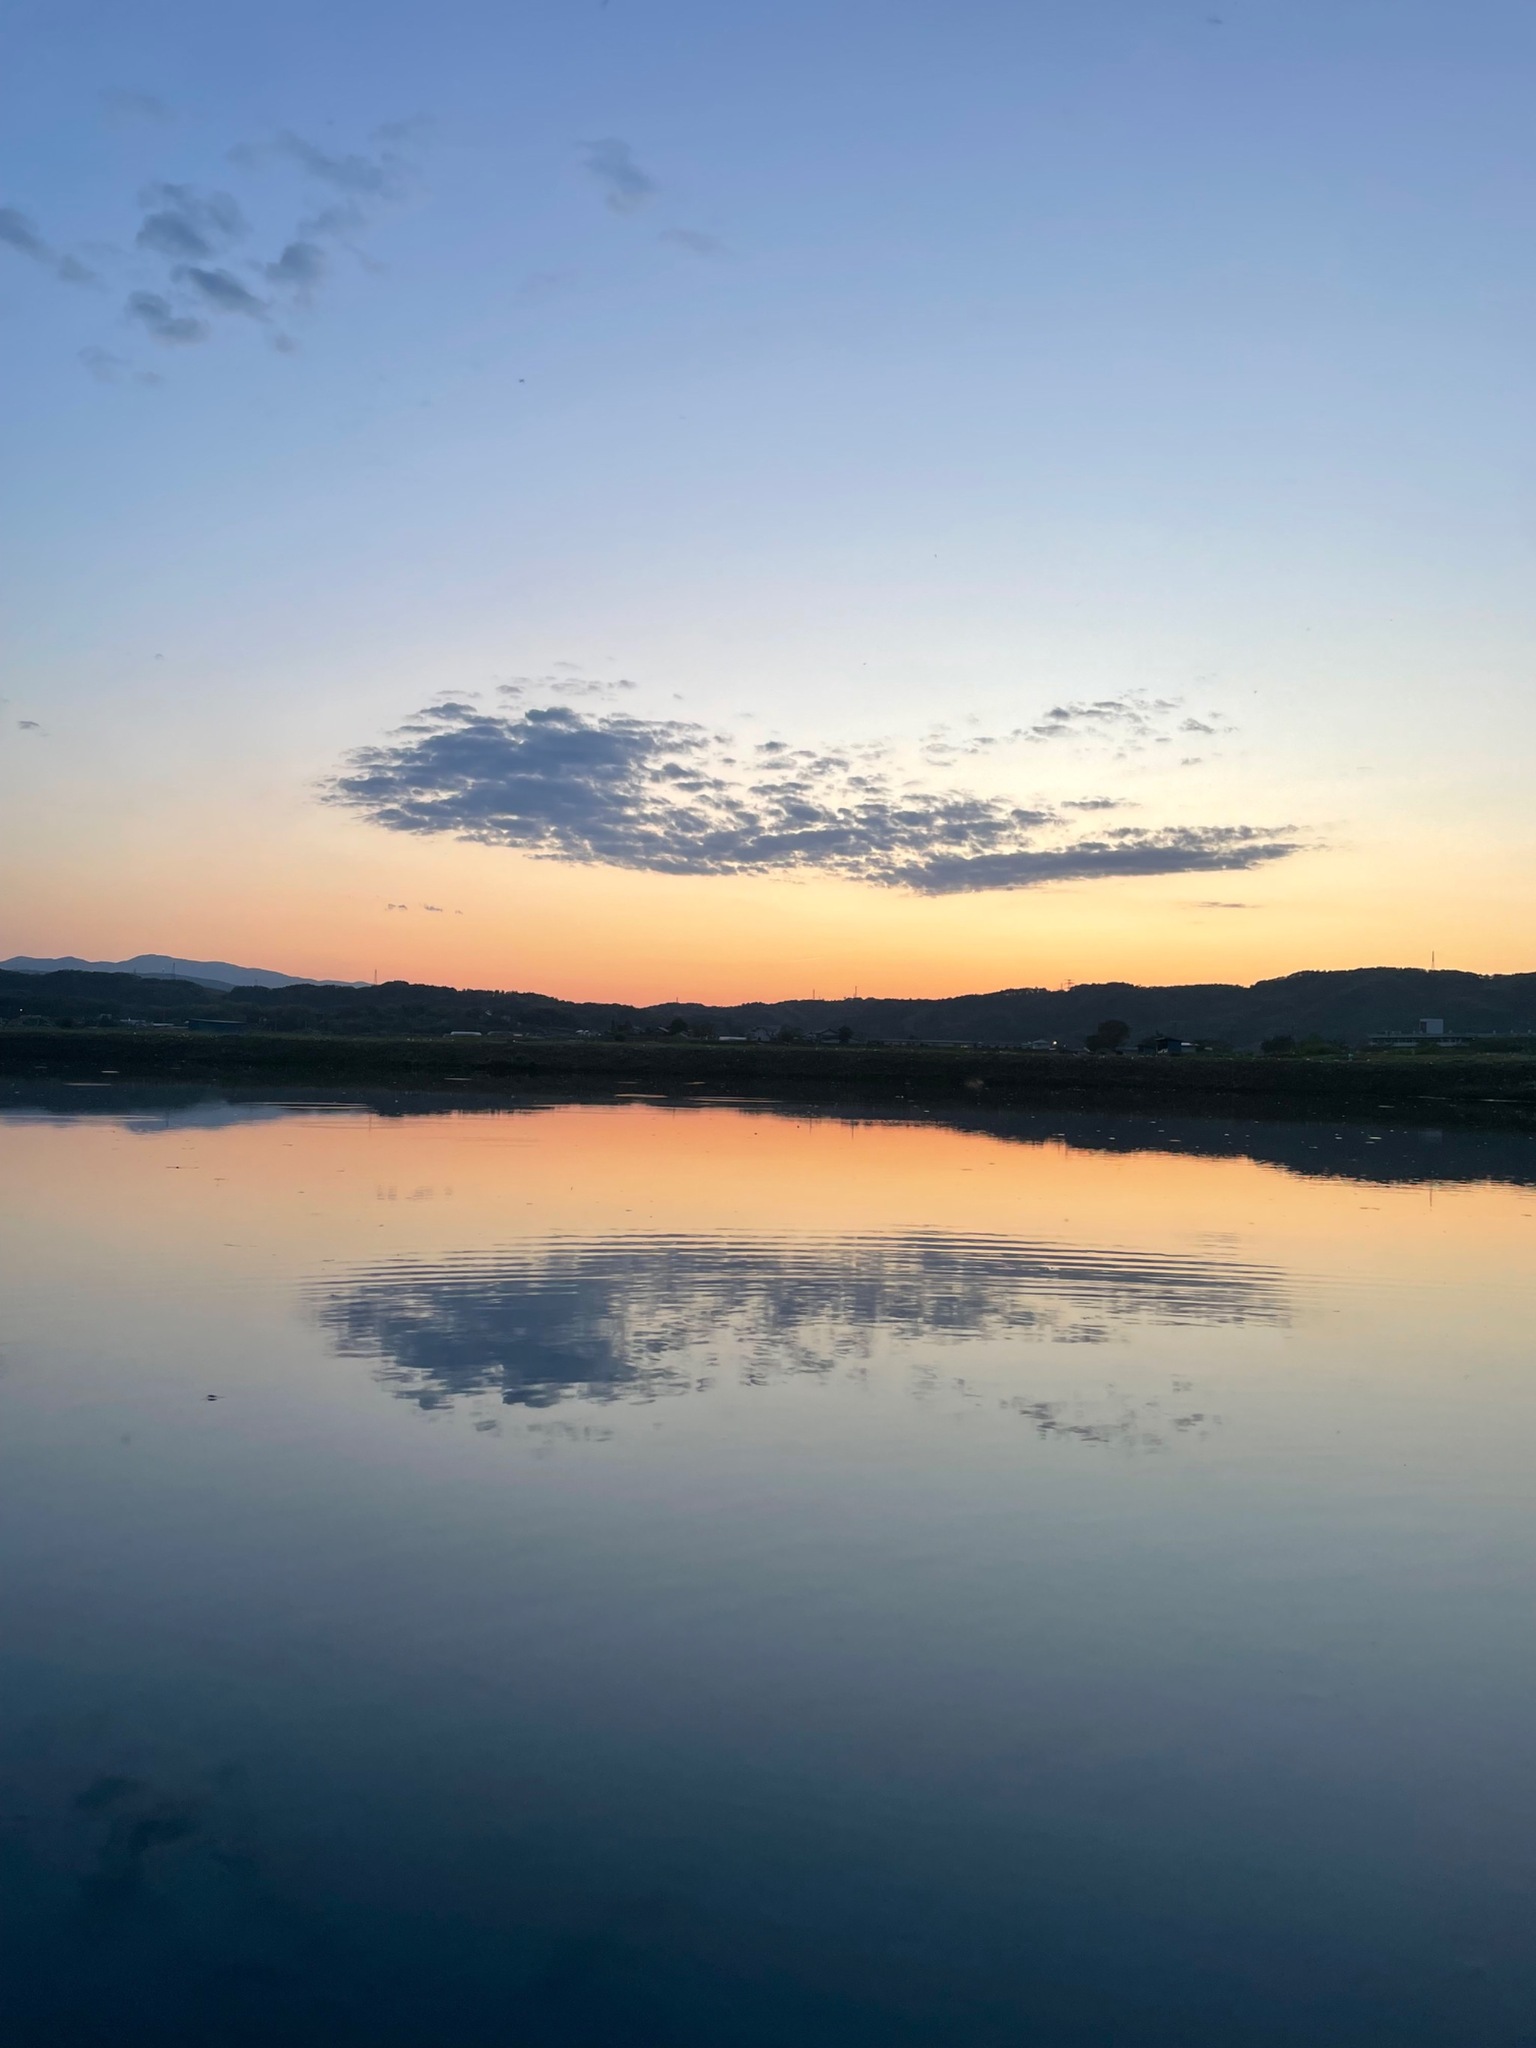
point(618, 1575)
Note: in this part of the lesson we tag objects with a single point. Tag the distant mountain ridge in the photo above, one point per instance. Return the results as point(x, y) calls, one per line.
point(1346, 1004)
point(220, 974)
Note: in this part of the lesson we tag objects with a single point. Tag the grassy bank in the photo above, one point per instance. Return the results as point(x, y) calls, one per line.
point(1489, 1089)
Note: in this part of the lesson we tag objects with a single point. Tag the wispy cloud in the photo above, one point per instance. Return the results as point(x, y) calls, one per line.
point(189, 228)
point(223, 291)
point(125, 109)
point(566, 680)
point(670, 797)
point(188, 254)
point(386, 175)
point(541, 285)
point(1120, 726)
point(611, 162)
point(1131, 719)
point(19, 232)
point(159, 317)
point(301, 267)
point(109, 368)
point(365, 177)
point(694, 241)
point(186, 225)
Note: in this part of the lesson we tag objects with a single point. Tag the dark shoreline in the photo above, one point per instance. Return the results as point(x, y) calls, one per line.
point(1444, 1089)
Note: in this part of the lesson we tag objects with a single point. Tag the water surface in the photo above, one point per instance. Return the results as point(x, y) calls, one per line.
point(610, 1575)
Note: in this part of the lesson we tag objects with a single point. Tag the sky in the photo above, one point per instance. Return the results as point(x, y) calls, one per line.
point(646, 499)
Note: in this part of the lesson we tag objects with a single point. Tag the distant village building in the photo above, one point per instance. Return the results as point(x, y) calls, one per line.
point(1426, 1029)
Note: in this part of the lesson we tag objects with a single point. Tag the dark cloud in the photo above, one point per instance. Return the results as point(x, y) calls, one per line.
point(365, 182)
point(299, 269)
point(186, 225)
point(189, 232)
point(1129, 718)
point(338, 223)
point(612, 163)
point(365, 177)
point(19, 233)
point(1175, 850)
point(224, 292)
point(670, 798)
point(156, 313)
point(188, 229)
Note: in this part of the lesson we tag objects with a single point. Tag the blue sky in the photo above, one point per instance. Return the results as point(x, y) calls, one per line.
point(829, 373)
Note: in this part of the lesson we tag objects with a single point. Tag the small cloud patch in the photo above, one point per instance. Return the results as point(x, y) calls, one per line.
point(611, 163)
point(187, 226)
point(190, 254)
point(18, 232)
point(694, 241)
point(130, 109)
point(226, 294)
point(159, 317)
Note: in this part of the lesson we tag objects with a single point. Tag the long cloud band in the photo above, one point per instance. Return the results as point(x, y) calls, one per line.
point(668, 797)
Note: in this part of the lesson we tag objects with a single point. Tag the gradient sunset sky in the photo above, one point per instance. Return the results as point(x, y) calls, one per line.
point(641, 499)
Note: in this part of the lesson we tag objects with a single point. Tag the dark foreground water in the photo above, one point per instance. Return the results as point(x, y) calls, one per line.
point(618, 1575)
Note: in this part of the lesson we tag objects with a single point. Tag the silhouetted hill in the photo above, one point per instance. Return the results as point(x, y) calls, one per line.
point(218, 974)
point(1348, 1004)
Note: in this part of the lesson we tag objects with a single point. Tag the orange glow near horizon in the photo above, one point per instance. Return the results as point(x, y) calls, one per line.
point(315, 904)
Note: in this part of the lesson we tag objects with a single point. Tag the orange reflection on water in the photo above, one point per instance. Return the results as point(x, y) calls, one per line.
point(165, 1198)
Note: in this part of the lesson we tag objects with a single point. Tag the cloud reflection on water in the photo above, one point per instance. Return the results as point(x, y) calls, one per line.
point(598, 1320)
